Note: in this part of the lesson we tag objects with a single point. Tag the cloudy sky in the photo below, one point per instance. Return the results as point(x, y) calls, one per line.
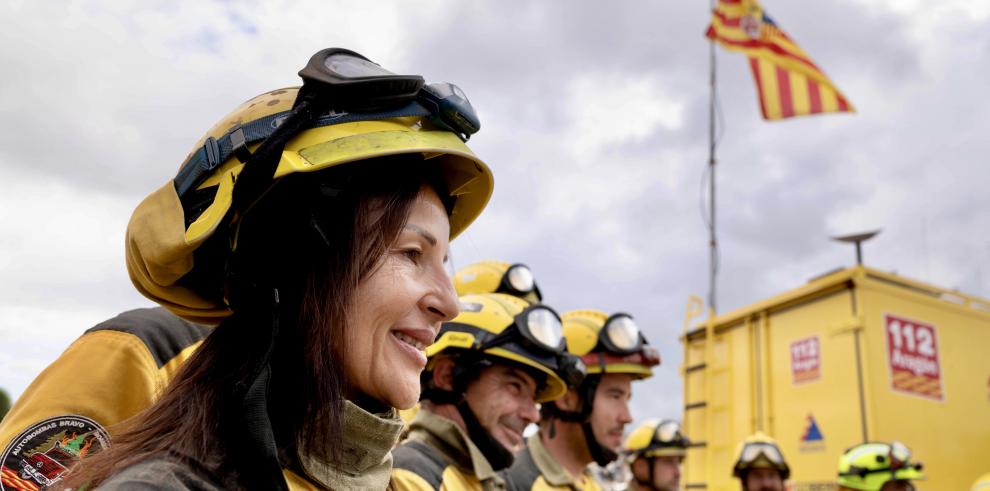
point(594, 119)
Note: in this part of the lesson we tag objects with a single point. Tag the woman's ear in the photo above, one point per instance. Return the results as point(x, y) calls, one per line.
point(443, 373)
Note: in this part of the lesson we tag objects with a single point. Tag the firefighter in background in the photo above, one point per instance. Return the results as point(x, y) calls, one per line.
point(875, 466)
point(761, 465)
point(655, 451)
point(490, 276)
point(486, 372)
point(586, 425)
point(498, 277)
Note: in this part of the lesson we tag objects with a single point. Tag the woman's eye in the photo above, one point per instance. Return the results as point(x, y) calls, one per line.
point(413, 254)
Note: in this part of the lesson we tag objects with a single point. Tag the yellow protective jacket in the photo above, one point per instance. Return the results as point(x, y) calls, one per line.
point(109, 374)
point(438, 454)
point(535, 469)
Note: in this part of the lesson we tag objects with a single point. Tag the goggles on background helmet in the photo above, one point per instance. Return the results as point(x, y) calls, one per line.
point(666, 435)
point(518, 281)
point(350, 88)
point(538, 330)
point(752, 452)
point(620, 335)
point(898, 458)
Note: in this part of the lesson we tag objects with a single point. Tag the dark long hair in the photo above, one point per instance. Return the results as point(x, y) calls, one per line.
point(313, 238)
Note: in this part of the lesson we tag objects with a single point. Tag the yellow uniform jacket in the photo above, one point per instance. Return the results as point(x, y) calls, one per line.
point(109, 374)
point(534, 469)
point(437, 454)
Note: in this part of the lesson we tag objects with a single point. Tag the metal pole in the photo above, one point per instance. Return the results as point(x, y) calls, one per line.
point(859, 253)
point(713, 243)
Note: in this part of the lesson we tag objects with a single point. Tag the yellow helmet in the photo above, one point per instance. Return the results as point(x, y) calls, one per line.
point(982, 483)
point(656, 438)
point(334, 119)
point(868, 466)
point(497, 277)
point(501, 328)
point(759, 451)
point(609, 344)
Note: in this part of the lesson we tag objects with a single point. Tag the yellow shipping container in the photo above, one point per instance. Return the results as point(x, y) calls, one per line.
point(856, 355)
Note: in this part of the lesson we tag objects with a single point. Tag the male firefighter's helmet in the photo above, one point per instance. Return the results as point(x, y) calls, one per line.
point(759, 451)
point(868, 466)
point(497, 277)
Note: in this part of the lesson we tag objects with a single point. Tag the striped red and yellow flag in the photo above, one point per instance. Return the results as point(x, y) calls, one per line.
point(787, 81)
point(12, 481)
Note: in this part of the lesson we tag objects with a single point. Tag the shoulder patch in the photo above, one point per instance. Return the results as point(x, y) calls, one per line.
point(37, 458)
point(164, 333)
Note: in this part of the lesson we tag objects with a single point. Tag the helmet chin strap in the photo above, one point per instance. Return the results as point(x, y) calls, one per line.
point(601, 455)
point(646, 482)
point(498, 456)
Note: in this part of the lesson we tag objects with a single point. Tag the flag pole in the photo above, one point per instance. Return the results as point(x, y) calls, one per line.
point(712, 242)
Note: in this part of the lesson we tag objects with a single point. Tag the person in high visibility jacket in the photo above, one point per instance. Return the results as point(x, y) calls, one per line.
point(312, 225)
point(655, 451)
point(490, 277)
point(487, 370)
point(876, 466)
point(760, 465)
point(586, 424)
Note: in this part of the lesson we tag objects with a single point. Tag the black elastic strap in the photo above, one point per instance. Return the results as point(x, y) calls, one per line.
point(259, 435)
point(216, 151)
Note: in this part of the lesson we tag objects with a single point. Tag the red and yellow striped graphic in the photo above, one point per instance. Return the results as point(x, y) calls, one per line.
point(788, 83)
point(917, 384)
point(11, 480)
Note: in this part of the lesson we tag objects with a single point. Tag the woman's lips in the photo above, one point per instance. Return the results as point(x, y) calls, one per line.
point(413, 342)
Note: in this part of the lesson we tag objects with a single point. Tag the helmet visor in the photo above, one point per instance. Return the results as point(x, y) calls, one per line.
point(621, 335)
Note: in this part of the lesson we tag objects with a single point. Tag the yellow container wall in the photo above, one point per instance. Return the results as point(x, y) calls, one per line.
point(950, 436)
point(784, 364)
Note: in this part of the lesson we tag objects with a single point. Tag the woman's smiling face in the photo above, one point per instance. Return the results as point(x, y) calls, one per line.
point(397, 310)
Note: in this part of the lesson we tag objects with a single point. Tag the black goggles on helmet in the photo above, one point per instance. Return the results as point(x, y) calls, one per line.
point(339, 86)
point(666, 435)
point(620, 336)
point(518, 281)
point(538, 332)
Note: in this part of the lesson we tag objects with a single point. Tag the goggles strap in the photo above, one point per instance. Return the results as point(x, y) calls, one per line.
point(216, 151)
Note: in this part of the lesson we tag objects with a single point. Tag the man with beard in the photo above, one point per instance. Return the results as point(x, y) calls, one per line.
point(761, 465)
point(586, 425)
point(485, 373)
point(655, 451)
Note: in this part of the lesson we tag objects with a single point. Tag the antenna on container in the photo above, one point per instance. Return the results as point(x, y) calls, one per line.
point(858, 239)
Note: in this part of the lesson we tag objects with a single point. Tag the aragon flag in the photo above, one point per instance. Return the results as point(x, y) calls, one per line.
point(788, 82)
